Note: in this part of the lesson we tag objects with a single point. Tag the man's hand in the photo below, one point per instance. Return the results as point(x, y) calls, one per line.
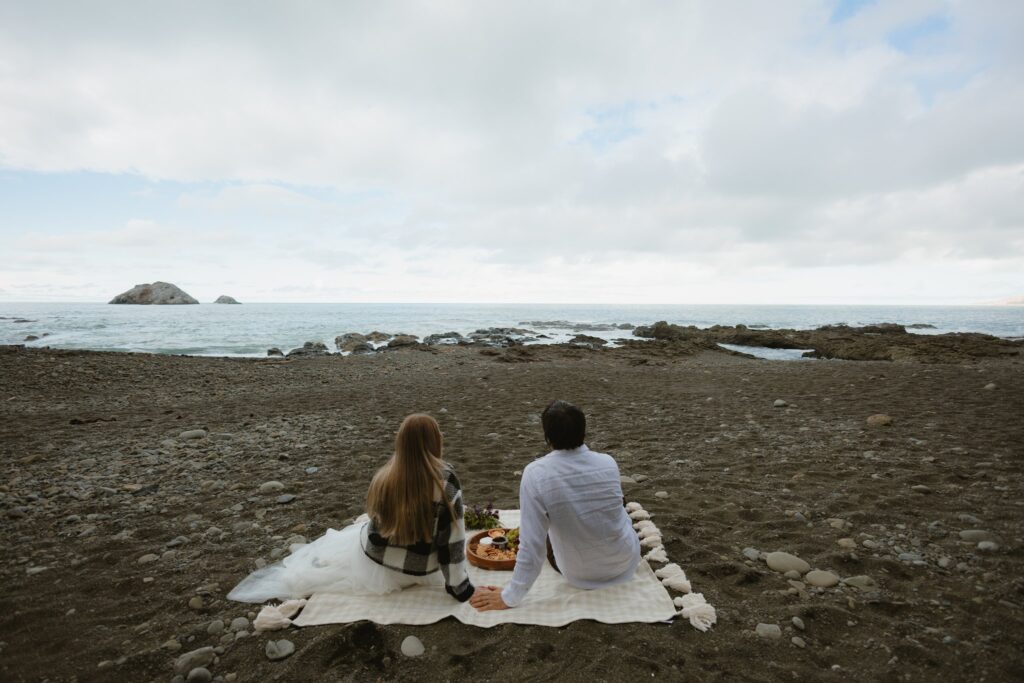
point(487, 598)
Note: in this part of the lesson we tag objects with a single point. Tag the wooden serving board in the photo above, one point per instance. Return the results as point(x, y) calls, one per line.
point(484, 562)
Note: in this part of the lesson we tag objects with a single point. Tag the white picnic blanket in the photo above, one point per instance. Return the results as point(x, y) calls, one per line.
point(551, 601)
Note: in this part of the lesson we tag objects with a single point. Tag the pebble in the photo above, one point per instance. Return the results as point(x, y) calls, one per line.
point(638, 478)
point(279, 649)
point(626, 479)
point(969, 519)
point(271, 487)
point(821, 579)
point(176, 541)
point(975, 535)
point(921, 488)
point(910, 557)
point(770, 631)
point(661, 494)
point(203, 656)
point(412, 647)
point(863, 582)
point(779, 403)
point(990, 386)
point(783, 562)
point(945, 562)
point(879, 420)
point(192, 434)
point(150, 557)
point(173, 645)
point(312, 470)
point(195, 603)
point(798, 623)
point(752, 553)
point(239, 624)
point(216, 627)
point(847, 543)
point(199, 675)
point(988, 546)
point(286, 498)
point(793, 575)
point(798, 641)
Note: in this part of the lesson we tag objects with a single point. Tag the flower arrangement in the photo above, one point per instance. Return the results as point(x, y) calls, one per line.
point(482, 518)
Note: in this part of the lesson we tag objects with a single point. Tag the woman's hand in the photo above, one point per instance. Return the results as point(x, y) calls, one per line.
point(487, 598)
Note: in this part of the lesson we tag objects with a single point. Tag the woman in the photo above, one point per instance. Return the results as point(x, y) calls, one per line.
point(413, 527)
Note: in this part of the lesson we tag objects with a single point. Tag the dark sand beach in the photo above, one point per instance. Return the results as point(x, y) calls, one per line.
point(99, 472)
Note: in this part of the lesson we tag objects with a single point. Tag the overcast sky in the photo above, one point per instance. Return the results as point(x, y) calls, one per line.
point(649, 152)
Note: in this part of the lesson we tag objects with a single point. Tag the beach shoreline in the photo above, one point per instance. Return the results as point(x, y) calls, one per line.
point(101, 471)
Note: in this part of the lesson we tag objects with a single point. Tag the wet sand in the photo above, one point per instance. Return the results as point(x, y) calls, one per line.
point(97, 475)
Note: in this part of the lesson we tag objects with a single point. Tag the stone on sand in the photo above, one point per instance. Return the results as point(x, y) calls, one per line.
point(821, 579)
point(783, 562)
point(412, 647)
point(200, 674)
point(975, 535)
point(779, 403)
point(203, 656)
point(279, 649)
point(271, 487)
point(862, 582)
point(879, 420)
point(990, 386)
point(192, 434)
point(769, 631)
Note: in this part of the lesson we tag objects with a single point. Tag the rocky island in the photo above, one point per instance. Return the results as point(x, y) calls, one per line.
point(158, 293)
point(225, 299)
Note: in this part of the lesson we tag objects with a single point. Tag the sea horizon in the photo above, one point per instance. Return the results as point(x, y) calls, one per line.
point(251, 328)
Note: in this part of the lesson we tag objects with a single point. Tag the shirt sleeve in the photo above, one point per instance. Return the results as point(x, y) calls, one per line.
point(450, 541)
point(533, 539)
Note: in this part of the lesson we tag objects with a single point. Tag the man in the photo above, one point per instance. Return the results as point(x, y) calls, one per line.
point(572, 498)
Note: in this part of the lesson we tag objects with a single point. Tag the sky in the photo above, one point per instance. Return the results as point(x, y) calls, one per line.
point(603, 152)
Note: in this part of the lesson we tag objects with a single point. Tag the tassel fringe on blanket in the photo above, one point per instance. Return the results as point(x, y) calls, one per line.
point(274, 617)
point(692, 606)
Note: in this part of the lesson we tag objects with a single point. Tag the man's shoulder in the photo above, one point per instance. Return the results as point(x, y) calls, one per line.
point(597, 455)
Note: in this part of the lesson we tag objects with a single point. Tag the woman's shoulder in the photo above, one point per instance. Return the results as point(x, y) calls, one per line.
point(448, 471)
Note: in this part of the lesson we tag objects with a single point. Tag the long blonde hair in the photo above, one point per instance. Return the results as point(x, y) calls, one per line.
point(401, 496)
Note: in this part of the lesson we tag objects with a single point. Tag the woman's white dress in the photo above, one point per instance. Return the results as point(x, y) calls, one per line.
point(333, 563)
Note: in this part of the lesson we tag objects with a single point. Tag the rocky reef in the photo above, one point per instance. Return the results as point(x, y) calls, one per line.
point(886, 341)
point(157, 293)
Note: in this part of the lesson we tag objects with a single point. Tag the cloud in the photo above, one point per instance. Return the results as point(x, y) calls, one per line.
point(418, 148)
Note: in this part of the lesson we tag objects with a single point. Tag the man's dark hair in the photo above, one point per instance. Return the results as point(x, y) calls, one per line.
point(565, 426)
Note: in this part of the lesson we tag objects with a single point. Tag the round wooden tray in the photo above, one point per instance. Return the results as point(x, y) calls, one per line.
point(483, 562)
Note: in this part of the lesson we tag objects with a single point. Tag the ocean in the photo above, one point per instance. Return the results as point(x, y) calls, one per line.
point(250, 329)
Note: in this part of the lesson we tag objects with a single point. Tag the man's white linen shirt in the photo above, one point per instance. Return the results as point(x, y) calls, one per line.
point(575, 497)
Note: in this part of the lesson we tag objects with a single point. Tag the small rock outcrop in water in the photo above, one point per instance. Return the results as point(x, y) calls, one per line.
point(157, 293)
point(309, 350)
point(225, 299)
